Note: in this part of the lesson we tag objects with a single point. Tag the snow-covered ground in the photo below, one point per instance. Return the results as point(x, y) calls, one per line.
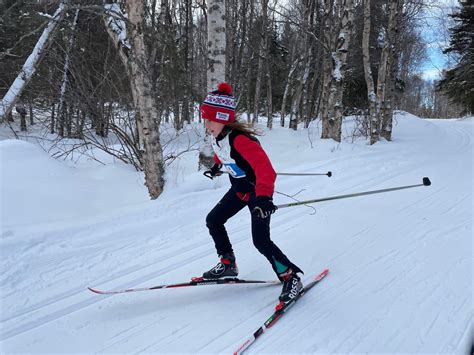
point(401, 262)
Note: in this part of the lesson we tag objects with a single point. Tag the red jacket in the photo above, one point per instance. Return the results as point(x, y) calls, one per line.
point(249, 167)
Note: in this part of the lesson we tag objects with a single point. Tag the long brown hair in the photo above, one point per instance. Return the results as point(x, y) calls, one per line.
point(246, 128)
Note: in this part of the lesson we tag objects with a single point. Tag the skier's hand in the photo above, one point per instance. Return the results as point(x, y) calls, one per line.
point(213, 172)
point(264, 206)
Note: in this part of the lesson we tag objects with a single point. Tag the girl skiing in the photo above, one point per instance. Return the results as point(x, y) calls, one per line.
point(252, 178)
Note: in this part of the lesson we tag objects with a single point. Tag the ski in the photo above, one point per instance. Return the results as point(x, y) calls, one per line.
point(195, 281)
point(280, 309)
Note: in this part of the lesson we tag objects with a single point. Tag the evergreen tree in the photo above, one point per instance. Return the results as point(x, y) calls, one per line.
point(458, 83)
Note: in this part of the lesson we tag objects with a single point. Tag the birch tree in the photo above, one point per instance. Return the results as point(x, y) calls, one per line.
point(31, 64)
point(130, 41)
point(262, 58)
point(369, 80)
point(389, 39)
point(289, 81)
point(216, 36)
point(144, 100)
point(394, 25)
point(216, 57)
point(335, 68)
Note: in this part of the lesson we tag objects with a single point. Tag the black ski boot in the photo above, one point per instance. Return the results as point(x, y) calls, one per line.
point(225, 268)
point(292, 286)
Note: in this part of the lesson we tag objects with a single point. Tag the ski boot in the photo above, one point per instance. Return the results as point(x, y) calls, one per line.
point(292, 286)
point(225, 268)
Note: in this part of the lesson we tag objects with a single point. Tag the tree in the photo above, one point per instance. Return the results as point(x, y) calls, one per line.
point(337, 37)
point(31, 64)
point(369, 80)
point(458, 82)
point(216, 36)
point(134, 53)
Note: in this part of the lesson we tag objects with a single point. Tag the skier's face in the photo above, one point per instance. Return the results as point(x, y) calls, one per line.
point(214, 128)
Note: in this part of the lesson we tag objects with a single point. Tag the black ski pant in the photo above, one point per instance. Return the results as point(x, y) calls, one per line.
point(227, 207)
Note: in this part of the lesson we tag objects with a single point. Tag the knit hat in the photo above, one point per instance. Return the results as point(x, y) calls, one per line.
point(219, 105)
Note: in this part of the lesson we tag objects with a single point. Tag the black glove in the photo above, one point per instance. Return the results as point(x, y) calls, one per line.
point(213, 172)
point(264, 206)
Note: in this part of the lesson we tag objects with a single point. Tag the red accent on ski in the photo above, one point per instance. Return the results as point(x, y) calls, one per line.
point(280, 309)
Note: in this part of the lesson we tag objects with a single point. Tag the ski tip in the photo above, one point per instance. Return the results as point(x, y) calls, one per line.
point(95, 291)
point(322, 274)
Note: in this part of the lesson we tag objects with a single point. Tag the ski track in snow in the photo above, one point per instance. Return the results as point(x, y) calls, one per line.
point(378, 272)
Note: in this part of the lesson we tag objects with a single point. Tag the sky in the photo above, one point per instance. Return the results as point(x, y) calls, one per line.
point(435, 24)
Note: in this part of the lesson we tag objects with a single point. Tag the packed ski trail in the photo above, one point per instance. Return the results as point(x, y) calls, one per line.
point(401, 262)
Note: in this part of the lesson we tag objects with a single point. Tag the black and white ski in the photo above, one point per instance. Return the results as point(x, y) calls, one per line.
point(195, 281)
point(280, 309)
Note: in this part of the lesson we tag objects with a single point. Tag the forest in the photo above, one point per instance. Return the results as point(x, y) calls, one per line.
point(89, 70)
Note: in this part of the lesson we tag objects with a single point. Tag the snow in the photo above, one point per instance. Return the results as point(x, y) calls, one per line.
point(116, 23)
point(336, 74)
point(401, 262)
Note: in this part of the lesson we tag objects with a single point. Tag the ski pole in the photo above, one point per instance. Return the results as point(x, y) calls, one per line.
point(426, 182)
point(328, 174)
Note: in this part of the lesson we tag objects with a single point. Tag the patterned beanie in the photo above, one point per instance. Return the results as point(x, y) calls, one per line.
point(219, 105)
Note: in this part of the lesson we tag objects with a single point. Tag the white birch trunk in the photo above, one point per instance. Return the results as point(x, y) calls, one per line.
point(333, 121)
point(369, 80)
point(289, 80)
point(144, 100)
point(216, 43)
point(216, 65)
point(116, 27)
point(29, 68)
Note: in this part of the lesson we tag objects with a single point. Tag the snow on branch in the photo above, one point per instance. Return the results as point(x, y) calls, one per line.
point(115, 20)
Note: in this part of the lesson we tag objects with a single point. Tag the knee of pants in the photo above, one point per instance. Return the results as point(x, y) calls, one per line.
point(212, 220)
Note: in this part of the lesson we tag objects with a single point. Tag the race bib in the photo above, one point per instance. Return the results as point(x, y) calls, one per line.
point(234, 170)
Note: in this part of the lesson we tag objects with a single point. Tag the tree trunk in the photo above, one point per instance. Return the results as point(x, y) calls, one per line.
point(289, 80)
point(372, 99)
point(53, 121)
point(22, 112)
point(187, 106)
point(262, 57)
point(216, 43)
point(269, 98)
point(396, 9)
point(117, 30)
point(144, 100)
point(306, 106)
point(216, 64)
point(34, 59)
point(332, 122)
point(63, 112)
point(293, 124)
point(30, 106)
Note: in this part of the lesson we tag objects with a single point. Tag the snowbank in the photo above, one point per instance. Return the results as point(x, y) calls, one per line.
point(37, 188)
